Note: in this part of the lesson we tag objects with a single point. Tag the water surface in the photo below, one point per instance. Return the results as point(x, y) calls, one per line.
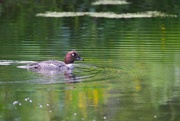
point(131, 68)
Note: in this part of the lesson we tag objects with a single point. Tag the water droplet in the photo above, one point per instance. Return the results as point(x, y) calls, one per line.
point(30, 101)
point(40, 106)
point(105, 117)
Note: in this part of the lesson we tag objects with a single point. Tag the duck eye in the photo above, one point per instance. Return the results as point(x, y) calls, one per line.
point(72, 54)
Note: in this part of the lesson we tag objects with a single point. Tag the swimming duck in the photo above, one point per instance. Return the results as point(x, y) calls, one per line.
point(56, 65)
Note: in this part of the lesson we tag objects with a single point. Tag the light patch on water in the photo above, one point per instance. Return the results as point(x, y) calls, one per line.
point(26, 99)
point(40, 106)
point(105, 117)
point(147, 14)
point(24, 62)
point(15, 102)
point(61, 14)
point(6, 62)
point(110, 2)
point(18, 103)
point(10, 62)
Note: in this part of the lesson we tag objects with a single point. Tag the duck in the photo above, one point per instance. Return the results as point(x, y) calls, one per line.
point(55, 65)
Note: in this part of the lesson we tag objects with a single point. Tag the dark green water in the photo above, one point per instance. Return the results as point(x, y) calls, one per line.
point(131, 70)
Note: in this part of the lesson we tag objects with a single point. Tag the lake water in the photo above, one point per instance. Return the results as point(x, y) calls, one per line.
point(131, 70)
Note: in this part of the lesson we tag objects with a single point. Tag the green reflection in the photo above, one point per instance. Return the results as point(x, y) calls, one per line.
point(53, 102)
point(131, 66)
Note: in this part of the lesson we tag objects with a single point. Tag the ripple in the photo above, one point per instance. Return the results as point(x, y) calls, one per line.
point(92, 73)
point(82, 72)
point(10, 62)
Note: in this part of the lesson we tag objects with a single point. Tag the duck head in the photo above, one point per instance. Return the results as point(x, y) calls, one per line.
point(71, 57)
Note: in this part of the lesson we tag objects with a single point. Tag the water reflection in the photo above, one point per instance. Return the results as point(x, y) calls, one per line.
point(73, 102)
point(131, 91)
point(131, 70)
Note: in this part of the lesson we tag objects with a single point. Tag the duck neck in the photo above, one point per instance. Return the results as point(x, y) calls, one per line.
point(68, 61)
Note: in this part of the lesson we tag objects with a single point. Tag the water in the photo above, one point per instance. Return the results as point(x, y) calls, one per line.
point(131, 68)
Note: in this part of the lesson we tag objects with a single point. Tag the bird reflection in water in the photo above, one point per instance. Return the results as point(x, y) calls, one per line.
point(69, 76)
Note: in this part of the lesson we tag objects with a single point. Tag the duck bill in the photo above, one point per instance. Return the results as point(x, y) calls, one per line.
point(79, 59)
